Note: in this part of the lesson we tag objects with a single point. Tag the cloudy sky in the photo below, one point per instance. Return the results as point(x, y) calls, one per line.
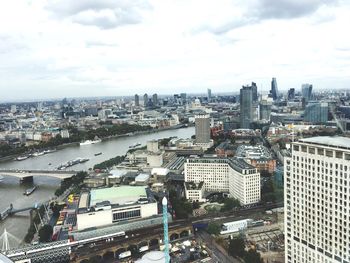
point(54, 49)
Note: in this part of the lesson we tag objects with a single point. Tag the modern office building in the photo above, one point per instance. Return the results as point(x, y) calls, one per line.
point(317, 201)
point(209, 94)
point(306, 92)
point(291, 94)
point(265, 110)
point(145, 100)
point(254, 92)
point(228, 175)
point(316, 112)
point(246, 106)
point(155, 99)
point(274, 89)
point(104, 206)
point(202, 123)
point(137, 100)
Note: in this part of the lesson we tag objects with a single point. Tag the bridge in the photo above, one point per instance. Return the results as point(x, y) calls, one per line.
point(10, 210)
point(23, 174)
point(104, 246)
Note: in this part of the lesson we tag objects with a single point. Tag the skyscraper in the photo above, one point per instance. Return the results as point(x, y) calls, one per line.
point(137, 100)
point(145, 100)
point(209, 94)
point(291, 94)
point(202, 123)
point(306, 92)
point(317, 200)
point(274, 89)
point(155, 99)
point(246, 106)
point(254, 92)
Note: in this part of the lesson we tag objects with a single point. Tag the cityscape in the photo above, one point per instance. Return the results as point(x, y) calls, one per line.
point(144, 167)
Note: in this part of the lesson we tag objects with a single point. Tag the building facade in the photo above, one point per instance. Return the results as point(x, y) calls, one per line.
point(246, 106)
point(306, 91)
point(317, 201)
point(316, 112)
point(228, 175)
point(137, 100)
point(202, 123)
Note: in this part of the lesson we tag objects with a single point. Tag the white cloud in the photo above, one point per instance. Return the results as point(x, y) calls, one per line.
point(73, 48)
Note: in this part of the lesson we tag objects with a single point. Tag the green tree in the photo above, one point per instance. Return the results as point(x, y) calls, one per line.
point(213, 228)
point(229, 204)
point(236, 247)
point(252, 256)
point(45, 233)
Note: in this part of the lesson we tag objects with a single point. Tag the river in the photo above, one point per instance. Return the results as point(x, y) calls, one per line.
point(12, 192)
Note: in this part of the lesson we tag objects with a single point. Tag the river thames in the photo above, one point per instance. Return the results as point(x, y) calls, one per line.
point(12, 192)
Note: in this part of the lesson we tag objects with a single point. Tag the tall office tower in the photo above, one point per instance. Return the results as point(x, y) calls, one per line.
point(274, 89)
point(183, 97)
point(145, 100)
point(155, 99)
point(306, 92)
point(254, 92)
point(137, 100)
point(265, 110)
point(209, 94)
point(246, 106)
point(316, 112)
point(202, 123)
point(291, 94)
point(317, 201)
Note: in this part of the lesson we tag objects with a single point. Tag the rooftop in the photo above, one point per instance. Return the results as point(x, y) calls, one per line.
point(117, 195)
point(336, 141)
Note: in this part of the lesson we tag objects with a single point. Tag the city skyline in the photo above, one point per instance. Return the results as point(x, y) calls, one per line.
point(50, 49)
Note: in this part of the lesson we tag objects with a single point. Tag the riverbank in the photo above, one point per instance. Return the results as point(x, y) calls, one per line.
point(71, 144)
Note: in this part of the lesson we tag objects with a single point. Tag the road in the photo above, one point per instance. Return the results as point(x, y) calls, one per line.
point(217, 252)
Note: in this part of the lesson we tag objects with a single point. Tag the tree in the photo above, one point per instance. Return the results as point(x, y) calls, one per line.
point(229, 204)
point(252, 257)
point(45, 233)
point(213, 228)
point(236, 247)
point(195, 205)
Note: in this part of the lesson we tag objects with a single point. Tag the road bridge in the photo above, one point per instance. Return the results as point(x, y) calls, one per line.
point(22, 174)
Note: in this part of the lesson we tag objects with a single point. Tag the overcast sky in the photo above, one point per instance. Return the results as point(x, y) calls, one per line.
point(55, 49)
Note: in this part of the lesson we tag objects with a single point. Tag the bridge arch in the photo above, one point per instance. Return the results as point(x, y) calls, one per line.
point(184, 233)
point(108, 255)
point(174, 236)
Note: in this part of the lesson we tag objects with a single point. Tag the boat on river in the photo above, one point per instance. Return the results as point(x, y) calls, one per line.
point(88, 142)
point(97, 154)
point(30, 190)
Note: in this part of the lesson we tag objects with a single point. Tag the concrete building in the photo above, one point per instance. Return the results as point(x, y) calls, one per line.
point(317, 200)
point(202, 123)
point(229, 175)
point(106, 206)
point(153, 146)
point(195, 191)
point(246, 106)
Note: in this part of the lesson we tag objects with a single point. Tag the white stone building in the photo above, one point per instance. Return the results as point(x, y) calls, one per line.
point(317, 201)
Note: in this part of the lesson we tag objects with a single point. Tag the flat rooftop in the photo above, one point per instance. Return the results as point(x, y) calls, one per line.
point(118, 195)
point(336, 141)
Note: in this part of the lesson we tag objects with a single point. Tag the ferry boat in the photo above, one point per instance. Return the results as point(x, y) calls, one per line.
point(87, 142)
point(71, 163)
point(97, 154)
point(30, 190)
point(21, 158)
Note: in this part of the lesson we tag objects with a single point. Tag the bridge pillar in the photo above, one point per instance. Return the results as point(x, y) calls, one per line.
point(27, 179)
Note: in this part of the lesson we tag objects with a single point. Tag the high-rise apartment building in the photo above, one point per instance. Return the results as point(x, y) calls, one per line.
point(246, 106)
point(317, 201)
point(155, 99)
point(145, 100)
point(137, 100)
point(202, 123)
point(274, 89)
point(230, 175)
point(306, 91)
